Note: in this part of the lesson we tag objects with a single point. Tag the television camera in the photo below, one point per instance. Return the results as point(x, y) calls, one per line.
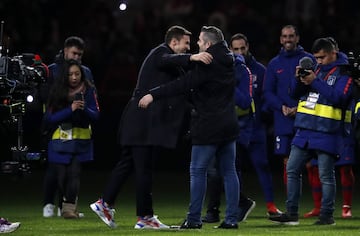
point(20, 78)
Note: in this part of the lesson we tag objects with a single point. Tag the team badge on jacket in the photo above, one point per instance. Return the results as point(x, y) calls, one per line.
point(331, 80)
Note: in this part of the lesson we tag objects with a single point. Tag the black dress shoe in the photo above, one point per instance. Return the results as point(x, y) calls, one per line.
point(245, 207)
point(187, 225)
point(325, 221)
point(211, 217)
point(224, 225)
point(285, 219)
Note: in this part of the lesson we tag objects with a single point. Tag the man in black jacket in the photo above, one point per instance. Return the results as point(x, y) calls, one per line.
point(214, 126)
point(142, 132)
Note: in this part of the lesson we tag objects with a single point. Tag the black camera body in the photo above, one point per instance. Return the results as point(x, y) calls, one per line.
point(302, 72)
point(20, 76)
point(20, 79)
point(353, 67)
point(305, 64)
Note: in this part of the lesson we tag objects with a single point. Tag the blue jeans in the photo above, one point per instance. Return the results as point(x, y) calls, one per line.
point(201, 157)
point(295, 166)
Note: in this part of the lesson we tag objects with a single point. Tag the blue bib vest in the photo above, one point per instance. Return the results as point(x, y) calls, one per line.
point(323, 116)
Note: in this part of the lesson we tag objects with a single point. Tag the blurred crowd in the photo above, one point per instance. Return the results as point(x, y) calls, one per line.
point(117, 41)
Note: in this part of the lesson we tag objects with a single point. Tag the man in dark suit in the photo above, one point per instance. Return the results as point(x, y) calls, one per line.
point(142, 132)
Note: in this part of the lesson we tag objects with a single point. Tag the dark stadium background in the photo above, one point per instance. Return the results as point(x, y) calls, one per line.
point(117, 42)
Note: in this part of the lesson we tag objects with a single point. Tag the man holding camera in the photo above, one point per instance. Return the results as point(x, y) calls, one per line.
point(324, 95)
point(345, 161)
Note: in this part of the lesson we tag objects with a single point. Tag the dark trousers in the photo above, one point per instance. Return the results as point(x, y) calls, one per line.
point(51, 185)
point(69, 180)
point(140, 159)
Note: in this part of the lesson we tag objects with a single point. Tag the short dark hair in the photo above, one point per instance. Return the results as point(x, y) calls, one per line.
point(74, 41)
point(322, 44)
point(291, 27)
point(239, 36)
point(176, 32)
point(333, 41)
point(212, 34)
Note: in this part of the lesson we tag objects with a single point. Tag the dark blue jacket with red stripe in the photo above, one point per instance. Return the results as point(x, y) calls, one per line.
point(278, 76)
point(335, 93)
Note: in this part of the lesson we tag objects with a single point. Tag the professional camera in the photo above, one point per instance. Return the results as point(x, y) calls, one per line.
point(354, 66)
point(305, 65)
point(20, 78)
point(302, 72)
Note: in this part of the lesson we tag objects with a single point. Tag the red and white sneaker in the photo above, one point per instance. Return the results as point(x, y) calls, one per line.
point(274, 212)
point(313, 213)
point(346, 212)
point(150, 223)
point(105, 213)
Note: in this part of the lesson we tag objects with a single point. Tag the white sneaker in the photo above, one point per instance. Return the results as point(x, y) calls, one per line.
point(150, 223)
point(105, 213)
point(48, 210)
point(8, 227)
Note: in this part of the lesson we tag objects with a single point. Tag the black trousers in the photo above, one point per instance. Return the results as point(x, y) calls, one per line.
point(139, 159)
point(51, 186)
point(69, 180)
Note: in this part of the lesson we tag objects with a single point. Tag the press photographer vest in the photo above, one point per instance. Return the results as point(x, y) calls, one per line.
point(69, 139)
point(314, 112)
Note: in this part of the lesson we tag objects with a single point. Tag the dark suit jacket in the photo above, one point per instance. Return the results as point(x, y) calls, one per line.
point(213, 118)
point(160, 124)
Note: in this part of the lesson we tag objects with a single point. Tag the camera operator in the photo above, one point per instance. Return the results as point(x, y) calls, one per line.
point(343, 164)
point(74, 47)
point(324, 95)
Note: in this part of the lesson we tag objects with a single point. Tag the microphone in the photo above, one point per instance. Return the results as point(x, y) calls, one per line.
point(305, 63)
